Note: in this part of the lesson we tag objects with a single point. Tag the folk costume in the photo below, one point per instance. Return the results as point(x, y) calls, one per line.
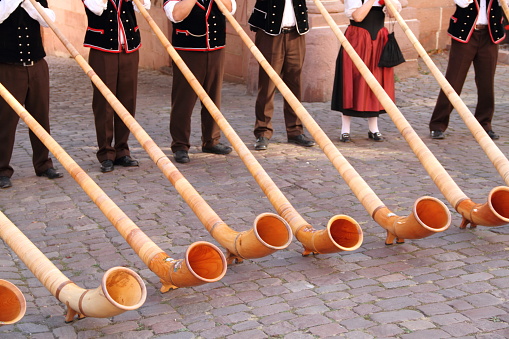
point(351, 94)
point(24, 73)
point(476, 30)
point(114, 39)
point(199, 39)
point(280, 27)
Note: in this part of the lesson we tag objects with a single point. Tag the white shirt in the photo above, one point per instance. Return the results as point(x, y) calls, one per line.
point(99, 6)
point(352, 5)
point(288, 15)
point(9, 6)
point(168, 9)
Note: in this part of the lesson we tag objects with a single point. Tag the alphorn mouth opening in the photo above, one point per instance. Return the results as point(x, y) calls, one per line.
point(12, 303)
point(432, 214)
point(499, 201)
point(273, 231)
point(123, 288)
point(345, 232)
point(206, 261)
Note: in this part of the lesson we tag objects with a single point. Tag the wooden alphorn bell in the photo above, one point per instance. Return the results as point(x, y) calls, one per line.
point(270, 232)
point(121, 288)
point(429, 214)
point(12, 303)
point(494, 212)
point(342, 233)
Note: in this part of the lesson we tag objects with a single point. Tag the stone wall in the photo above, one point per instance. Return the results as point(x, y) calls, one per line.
point(427, 19)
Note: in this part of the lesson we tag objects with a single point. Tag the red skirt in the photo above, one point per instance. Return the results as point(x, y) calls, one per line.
point(351, 94)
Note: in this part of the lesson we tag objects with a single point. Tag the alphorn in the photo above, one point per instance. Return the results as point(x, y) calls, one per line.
point(203, 263)
point(496, 156)
point(429, 215)
point(270, 232)
point(342, 233)
point(12, 303)
point(494, 212)
point(121, 288)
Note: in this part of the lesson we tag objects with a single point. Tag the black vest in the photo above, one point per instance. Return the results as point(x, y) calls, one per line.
point(102, 31)
point(204, 29)
point(268, 15)
point(20, 37)
point(461, 24)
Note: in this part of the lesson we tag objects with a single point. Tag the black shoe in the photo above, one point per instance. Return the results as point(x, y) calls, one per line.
point(301, 140)
point(345, 137)
point(50, 173)
point(437, 135)
point(217, 149)
point(5, 182)
point(493, 135)
point(376, 136)
point(107, 166)
point(126, 161)
point(261, 144)
point(181, 157)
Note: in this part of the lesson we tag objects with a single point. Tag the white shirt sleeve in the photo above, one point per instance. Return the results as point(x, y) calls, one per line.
point(170, 5)
point(463, 3)
point(168, 9)
point(34, 14)
point(96, 6)
point(146, 4)
point(7, 7)
point(352, 5)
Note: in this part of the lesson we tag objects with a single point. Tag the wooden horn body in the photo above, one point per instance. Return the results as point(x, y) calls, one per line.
point(360, 188)
point(12, 303)
point(121, 289)
point(300, 228)
point(199, 206)
point(149, 252)
point(438, 174)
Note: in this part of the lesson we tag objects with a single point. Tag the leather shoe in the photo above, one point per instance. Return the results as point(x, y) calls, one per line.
point(345, 137)
point(107, 166)
point(181, 157)
point(493, 135)
point(50, 173)
point(301, 140)
point(437, 135)
point(261, 144)
point(376, 136)
point(217, 149)
point(5, 182)
point(126, 161)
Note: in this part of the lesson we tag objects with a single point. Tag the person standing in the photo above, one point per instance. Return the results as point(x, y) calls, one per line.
point(199, 36)
point(280, 26)
point(475, 29)
point(351, 94)
point(25, 74)
point(114, 40)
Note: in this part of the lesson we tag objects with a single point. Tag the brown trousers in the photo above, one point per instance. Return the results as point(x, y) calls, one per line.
point(483, 54)
point(30, 86)
point(119, 71)
point(208, 68)
point(285, 53)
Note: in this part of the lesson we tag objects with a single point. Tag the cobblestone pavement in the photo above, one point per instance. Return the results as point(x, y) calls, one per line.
point(453, 284)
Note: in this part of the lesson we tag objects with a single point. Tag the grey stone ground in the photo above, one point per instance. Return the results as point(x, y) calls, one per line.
point(454, 284)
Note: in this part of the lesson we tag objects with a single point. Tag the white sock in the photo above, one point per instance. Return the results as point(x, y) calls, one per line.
point(373, 124)
point(345, 123)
